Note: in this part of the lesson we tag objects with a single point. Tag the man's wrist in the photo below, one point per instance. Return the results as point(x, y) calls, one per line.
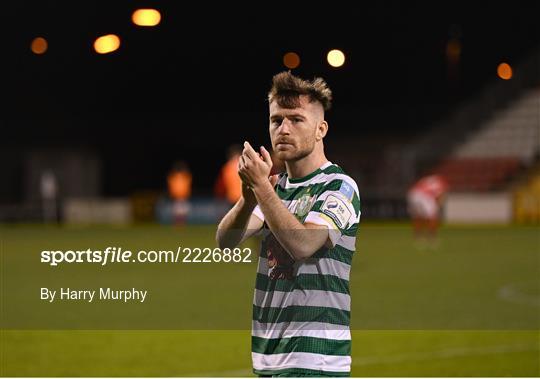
point(263, 188)
point(248, 202)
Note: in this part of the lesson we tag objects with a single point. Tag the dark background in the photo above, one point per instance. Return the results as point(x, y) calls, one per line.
point(197, 82)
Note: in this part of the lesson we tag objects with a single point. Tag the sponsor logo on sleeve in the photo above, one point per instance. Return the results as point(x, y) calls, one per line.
point(347, 190)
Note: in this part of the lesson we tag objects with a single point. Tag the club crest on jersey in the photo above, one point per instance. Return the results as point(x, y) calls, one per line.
point(304, 205)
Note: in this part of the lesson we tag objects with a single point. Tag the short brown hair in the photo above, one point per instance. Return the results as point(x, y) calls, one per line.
point(287, 89)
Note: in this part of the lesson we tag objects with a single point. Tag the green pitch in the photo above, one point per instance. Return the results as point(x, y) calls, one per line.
point(467, 307)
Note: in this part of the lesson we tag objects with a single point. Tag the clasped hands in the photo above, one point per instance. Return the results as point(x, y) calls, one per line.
point(254, 168)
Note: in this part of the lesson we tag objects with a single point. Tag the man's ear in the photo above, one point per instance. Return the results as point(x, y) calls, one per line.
point(321, 131)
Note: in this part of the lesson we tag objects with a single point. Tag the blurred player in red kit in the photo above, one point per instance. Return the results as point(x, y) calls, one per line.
point(424, 202)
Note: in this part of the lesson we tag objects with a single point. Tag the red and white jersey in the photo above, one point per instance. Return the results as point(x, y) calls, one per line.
point(433, 186)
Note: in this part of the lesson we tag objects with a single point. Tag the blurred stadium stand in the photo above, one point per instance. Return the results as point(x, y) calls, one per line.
point(505, 143)
point(478, 173)
point(512, 132)
point(481, 146)
point(76, 174)
point(405, 164)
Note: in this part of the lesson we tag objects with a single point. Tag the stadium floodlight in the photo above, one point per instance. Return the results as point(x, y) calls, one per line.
point(107, 44)
point(504, 70)
point(336, 58)
point(146, 17)
point(39, 45)
point(291, 60)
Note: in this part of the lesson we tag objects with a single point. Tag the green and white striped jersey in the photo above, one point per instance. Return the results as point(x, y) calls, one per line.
point(301, 310)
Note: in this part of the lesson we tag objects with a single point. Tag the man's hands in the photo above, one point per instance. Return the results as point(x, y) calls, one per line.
point(258, 187)
point(240, 222)
point(254, 169)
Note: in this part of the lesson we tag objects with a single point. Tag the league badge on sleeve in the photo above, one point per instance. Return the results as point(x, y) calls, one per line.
point(336, 209)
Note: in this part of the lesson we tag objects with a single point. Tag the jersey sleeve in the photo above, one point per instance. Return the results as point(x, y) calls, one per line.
point(337, 207)
point(257, 212)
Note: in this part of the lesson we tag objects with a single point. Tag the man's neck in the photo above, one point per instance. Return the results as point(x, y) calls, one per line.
point(305, 166)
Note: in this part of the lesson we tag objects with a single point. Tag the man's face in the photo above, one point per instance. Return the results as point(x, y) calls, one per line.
point(293, 131)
